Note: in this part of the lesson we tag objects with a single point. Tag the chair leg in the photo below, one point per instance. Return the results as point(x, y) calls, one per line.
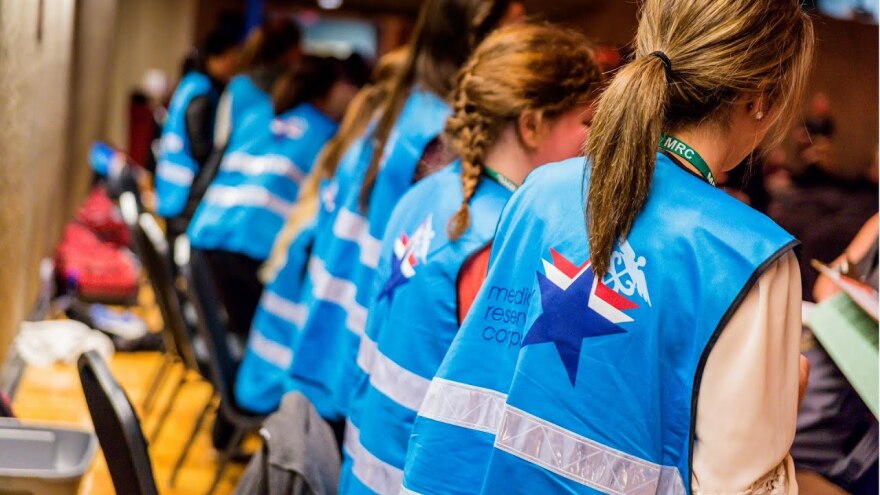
point(158, 379)
point(237, 436)
point(171, 400)
point(181, 459)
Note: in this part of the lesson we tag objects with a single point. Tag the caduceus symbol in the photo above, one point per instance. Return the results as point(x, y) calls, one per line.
point(632, 268)
point(421, 240)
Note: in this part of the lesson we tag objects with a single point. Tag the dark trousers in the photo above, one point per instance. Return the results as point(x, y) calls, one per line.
point(239, 289)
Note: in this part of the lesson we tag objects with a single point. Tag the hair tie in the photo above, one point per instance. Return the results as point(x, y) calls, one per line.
point(667, 64)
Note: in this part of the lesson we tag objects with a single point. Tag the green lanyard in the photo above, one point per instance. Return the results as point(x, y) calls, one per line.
point(497, 177)
point(681, 150)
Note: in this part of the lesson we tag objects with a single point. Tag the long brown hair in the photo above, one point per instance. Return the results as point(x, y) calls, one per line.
point(308, 80)
point(355, 121)
point(268, 43)
point(445, 34)
point(523, 67)
point(718, 51)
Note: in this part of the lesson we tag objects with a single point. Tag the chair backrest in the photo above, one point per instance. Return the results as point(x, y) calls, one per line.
point(211, 324)
point(118, 428)
point(152, 249)
point(125, 180)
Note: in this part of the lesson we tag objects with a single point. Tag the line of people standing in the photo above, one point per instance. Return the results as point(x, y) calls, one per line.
point(610, 324)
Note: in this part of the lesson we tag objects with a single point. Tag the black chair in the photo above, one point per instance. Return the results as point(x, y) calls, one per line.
point(118, 428)
point(153, 250)
point(124, 180)
point(212, 328)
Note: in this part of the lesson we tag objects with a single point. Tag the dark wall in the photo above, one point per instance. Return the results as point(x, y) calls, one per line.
point(845, 68)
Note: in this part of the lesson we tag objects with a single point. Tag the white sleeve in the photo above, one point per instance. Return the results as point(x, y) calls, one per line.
point(748, 400)
point(222, 121)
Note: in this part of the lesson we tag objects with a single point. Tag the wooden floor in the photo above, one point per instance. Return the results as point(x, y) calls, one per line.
point(54, 394)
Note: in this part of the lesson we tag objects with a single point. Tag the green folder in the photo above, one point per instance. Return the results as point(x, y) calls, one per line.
point(850, 337)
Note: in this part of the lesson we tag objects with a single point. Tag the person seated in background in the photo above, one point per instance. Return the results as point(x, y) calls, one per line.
point(269, 51)
point(259, 179)
point(824, 205)
point(836, 432)
point(188, 134)
point(260, 382)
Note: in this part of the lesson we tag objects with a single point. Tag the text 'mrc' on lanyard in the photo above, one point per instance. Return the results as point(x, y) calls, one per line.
point(497, 177)
point(682, 150)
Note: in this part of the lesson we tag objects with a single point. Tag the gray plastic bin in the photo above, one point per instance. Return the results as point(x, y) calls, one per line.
point(43, 460)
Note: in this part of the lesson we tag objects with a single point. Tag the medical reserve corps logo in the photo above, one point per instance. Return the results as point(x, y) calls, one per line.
point(577, 305)
point(409, 253)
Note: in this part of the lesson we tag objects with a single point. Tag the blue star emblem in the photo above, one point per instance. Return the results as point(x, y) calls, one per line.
point(408, 254)
point(396, 279)
point(568, 319)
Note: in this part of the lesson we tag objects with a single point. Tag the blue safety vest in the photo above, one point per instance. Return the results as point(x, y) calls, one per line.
point(561, 383)
point(248, 105)
point(340, 272)
point(262, 376)
point(176, 168)
point(247, 203)
point(413, 318)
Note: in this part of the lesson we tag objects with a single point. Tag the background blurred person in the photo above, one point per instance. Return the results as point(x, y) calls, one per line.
point(836, 432)
point(269, 51)
point(260, 382)
point(187, 136)
point(259, 178)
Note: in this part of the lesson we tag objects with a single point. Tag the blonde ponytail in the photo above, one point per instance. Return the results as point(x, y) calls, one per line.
point(716, 53)
point(622, 147)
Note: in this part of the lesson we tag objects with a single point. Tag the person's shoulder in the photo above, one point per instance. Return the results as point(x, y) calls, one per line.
point(551, 183)
point(436, 187)
point(556, 175)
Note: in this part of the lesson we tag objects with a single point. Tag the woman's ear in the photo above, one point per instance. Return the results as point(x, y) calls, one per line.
point(530, 128)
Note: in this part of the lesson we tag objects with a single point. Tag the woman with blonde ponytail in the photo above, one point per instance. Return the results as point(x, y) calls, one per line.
point(389, 155)
point(522, 100)
point(638, 331)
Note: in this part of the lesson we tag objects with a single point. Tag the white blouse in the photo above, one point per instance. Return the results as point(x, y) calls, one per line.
point(748, 400)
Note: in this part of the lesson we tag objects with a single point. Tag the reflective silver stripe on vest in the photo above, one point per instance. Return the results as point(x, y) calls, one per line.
point(227, 197)
point(352, 227)
point(285, 309)
point(171, 143)
point(269, 350)
point(376, 474)
point(583, 460)
point(173, 173)
point(463, 405)
point(326, 287)
point(244, 163)
point(395, 382)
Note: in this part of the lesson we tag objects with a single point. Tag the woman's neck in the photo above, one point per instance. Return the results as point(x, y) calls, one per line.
point(508, 158)
point(712, 144)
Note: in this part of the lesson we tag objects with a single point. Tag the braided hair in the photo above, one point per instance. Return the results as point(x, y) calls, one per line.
point(524, 67)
